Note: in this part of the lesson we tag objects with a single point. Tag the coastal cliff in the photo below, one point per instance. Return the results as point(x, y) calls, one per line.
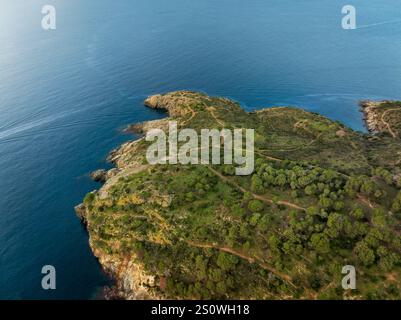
point(321, 196)
point(132, 281)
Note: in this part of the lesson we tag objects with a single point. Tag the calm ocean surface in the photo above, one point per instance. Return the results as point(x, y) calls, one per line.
point(65, 95)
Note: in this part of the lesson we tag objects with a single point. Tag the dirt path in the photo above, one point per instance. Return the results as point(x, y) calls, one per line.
point(256, 196)
point(268, 157)
point(243, 256)
point(211, 110)
point(365, 201)
point(387, 124)
point(193, 114)
point(399, 159)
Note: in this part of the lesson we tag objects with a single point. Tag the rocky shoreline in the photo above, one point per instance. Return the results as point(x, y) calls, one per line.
point(370, 116)
point(131, 280)
point(374, 115)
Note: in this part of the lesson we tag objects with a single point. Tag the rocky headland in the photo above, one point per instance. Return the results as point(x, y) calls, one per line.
point(321, 196)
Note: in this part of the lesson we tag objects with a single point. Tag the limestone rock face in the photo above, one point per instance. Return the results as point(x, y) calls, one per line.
point(155, 101)
point(81, 211)
point(132, 281)
point(176, 103)
point(371, 117)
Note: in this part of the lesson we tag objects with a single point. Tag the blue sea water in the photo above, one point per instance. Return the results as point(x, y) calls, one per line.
point(66, 94)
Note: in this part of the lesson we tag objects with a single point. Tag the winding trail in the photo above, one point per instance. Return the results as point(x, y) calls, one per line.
point(211, 110)
point(256, 196)
point(193, 114)
point(243, 256)
point(394, 135)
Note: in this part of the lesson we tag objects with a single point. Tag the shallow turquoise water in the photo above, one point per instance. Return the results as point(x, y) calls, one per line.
point(65, 95)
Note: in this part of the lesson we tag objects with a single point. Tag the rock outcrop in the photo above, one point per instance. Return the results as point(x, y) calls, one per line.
point(132, 282)
point(80, 211)
point(176, 103)
point(371, 117)
point(99, 175)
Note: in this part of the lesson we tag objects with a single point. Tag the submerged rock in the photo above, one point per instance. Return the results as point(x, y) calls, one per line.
point(99, 175)
point(135, 128)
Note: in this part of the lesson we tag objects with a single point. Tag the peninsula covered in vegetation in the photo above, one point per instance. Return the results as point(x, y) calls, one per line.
point(321, 197)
